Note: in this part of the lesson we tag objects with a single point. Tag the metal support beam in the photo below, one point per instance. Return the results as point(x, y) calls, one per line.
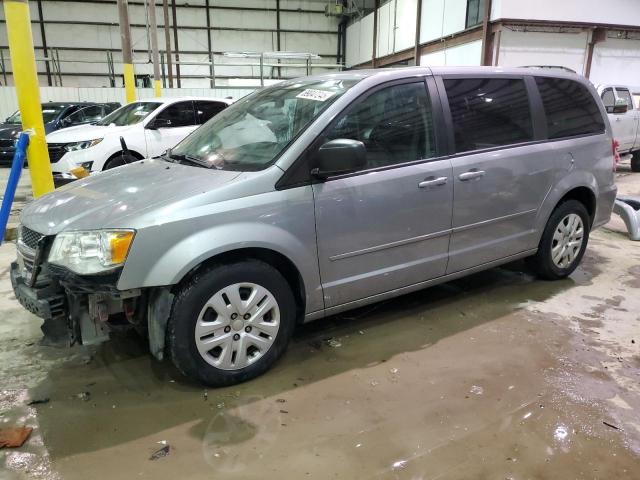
point(375, 34)
point(25, 79)
point(174, 14)
point(44, 41)
point(487, 44)
point(127, 56)
point(155, 55)
point(262, 69)
point(416, 51)
point(597, 35)
point(167, 40)
point(278, 33)
point(212, 80)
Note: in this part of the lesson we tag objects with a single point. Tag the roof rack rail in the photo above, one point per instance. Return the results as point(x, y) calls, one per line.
point(556, 67)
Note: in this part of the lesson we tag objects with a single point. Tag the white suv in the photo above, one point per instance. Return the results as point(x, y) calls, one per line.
point(624, 119)
point(149, 127)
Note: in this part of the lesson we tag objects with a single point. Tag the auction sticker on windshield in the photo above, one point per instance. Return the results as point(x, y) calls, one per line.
point(313, 94)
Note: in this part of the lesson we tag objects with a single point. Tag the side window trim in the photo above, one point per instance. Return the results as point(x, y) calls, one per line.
point(448, 119)
point(290, 178)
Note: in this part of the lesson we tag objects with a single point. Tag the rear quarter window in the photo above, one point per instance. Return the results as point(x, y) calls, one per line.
point(570, 108)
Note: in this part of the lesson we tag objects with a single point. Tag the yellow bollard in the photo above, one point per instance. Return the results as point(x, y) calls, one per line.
point(25, 78)
point(129, 83)
point(158, 88)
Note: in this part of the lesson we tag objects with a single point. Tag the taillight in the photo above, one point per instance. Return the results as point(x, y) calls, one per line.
point(616, 154)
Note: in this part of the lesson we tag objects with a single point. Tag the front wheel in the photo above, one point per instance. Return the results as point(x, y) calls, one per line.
point(231, 322)
point(563, 241)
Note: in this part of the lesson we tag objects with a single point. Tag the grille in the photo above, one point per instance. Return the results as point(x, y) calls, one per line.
point(6, 143)
point(56, 151)
point(29, 237)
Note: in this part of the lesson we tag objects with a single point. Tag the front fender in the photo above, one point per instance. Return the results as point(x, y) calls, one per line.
point(162, 254)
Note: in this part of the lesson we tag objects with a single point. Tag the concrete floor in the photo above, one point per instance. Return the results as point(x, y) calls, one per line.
point(496, 376)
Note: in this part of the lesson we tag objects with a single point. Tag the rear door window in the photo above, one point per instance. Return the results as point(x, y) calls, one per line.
point(206, 110)
point(488, 112)
point(570, 108)
point(609, 99)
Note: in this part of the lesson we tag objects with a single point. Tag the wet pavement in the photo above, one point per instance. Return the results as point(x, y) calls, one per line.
point(494, 376)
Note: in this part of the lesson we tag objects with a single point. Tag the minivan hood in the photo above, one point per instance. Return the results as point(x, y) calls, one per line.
point(115, 198)
point(81, 133)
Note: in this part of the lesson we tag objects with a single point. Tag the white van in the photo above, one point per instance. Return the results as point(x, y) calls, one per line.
point(149, 128)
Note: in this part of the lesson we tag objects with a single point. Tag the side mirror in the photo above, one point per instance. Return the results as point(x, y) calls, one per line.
point(159, 123)
point(338, 157)
point(620, 106)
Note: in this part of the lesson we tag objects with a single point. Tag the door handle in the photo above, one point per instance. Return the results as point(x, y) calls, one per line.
point(471, 174)
point(433, 182)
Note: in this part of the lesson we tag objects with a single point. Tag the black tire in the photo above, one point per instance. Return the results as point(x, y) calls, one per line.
point(635, 161)
point(542, 262)
point(189, 302)
point(118, 161)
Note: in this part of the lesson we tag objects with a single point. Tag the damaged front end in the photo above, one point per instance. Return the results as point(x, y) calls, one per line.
point(83, 309)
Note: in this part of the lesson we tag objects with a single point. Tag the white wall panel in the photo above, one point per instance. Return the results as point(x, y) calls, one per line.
point(405, 31)
point(431, 20)
point(467, 54)
point(360, 41)
point(385, 30)
point(617, 12)
point(455, 12)
point(441, 17)
point(616, 61)
point(536, 48)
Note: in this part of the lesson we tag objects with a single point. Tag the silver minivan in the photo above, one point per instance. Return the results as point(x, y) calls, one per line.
point(315, 196)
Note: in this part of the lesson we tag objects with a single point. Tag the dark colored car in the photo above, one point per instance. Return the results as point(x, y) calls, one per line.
point(56, 115)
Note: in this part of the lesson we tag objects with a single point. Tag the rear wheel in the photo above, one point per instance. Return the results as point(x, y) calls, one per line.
point(635, 161)
point(231, 322)
point(563, 241)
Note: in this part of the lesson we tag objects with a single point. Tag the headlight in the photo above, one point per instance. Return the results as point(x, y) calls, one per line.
point(91, 252)
point(72, 147)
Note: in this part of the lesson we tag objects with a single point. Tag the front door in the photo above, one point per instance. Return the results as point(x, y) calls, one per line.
point(174, 123)
point(387, 226)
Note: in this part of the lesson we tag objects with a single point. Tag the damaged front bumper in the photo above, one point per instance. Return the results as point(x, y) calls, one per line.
point(85, 309)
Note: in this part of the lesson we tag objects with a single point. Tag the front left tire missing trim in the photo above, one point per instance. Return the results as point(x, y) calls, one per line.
point(231, 322)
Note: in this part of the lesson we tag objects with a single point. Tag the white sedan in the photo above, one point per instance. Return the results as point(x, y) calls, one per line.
point(149, 127)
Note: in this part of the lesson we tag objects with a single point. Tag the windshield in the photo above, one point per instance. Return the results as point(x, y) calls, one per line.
point(129, 114)
point(251, 133)
point(49, 114)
